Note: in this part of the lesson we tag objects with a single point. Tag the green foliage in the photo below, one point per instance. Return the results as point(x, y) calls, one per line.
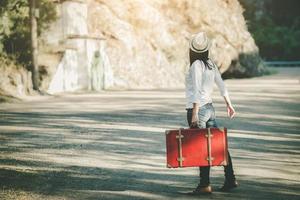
point(15, 27)
point(275, 26)
point(47, 14)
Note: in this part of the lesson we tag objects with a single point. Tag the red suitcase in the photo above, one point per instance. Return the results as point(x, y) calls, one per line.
point(196, 147)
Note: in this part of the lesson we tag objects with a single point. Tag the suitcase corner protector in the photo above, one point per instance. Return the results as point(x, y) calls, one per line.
point(167, 132)
point(222, 129)
point(169, 166)
point(224, 163)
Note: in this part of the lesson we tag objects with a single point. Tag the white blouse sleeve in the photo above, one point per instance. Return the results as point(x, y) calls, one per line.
point(220, 83)
point(196, 76)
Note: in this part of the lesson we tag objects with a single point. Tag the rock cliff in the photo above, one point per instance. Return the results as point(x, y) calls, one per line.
point(15, 81)
point(143, 43)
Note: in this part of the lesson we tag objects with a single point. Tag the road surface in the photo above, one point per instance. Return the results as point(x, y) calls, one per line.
point(111, 145)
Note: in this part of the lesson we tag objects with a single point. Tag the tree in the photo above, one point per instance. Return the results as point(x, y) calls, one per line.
point(34, 44)
point(16, 28)
point(275, 26)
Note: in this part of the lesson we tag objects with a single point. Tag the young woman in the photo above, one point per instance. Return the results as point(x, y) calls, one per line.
point(202, 75)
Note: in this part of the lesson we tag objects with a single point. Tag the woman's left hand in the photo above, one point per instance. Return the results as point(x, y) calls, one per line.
point(230, 111)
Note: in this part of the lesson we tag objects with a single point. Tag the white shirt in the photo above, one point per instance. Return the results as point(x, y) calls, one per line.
point(200, 83)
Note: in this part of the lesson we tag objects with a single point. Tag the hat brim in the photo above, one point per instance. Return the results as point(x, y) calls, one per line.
point(202, 50)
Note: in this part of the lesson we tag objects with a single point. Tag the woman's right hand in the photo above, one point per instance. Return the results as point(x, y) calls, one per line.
point(194, 123)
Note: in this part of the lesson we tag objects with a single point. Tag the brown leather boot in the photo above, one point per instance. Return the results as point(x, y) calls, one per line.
point(202, 190)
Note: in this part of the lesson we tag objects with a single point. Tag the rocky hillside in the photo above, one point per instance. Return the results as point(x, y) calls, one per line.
point(15, 81)
point(136, 44)
point(147, 40)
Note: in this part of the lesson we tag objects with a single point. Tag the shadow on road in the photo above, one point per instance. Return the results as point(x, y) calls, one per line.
point(112, 145)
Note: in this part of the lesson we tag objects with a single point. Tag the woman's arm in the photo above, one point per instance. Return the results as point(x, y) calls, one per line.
point(221, 85)
point(196, 74)
point(195, 115)
point(230, 109)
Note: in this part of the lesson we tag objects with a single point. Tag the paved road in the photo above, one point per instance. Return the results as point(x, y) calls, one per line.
point(111, 145)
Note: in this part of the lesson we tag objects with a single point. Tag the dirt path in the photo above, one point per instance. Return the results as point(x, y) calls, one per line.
point(111, 145)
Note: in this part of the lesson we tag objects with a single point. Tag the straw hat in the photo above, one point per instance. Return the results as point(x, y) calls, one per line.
point(199, 42)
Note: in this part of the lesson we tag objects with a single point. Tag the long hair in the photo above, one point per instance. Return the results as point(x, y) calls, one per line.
point(202, 57)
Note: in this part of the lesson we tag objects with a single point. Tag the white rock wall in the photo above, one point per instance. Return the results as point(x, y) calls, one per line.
point(84, 64)
point(145, 42)
point(74, 18)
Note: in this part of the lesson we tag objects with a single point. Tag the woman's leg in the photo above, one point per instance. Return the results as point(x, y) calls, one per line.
point(228, 169)
point(204, 171)
point(230, 181)
point(189, 114)
point(204, 116)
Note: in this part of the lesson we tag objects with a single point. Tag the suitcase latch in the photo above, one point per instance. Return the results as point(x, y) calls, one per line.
point(210, 158)
point(180, 159)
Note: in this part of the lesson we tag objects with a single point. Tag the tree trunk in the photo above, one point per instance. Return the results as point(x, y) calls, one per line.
point(34, 44)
